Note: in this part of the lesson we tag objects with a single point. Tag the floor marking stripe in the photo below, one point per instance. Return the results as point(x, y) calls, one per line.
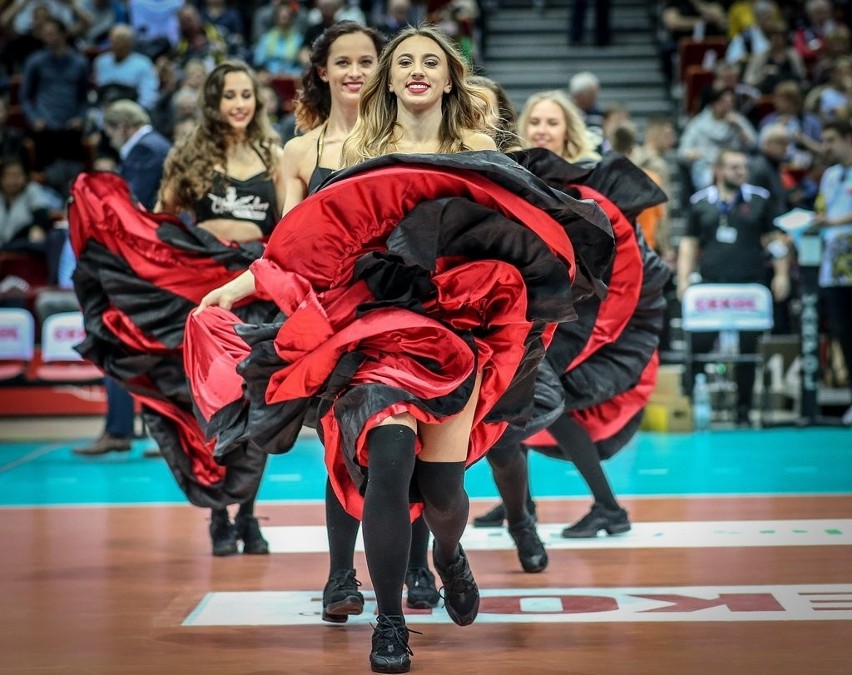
point(700, 534)
point(546, 605)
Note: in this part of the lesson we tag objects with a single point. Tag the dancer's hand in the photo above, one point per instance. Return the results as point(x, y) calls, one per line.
point(229, 294)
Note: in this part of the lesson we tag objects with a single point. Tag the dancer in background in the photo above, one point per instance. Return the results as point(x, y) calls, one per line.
point(139, 274)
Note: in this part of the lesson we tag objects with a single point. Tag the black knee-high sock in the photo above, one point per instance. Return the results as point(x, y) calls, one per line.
point(219, 513)
point(442, 486)
point(509, 465)
point(247, 508)
point(386, 523)
point(342, 532)
point(419, 543)
point(580, 449)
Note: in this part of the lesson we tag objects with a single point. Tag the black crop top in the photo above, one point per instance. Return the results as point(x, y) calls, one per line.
point(253, 199)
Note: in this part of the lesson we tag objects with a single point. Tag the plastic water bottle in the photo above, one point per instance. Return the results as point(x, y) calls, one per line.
point(701, 410)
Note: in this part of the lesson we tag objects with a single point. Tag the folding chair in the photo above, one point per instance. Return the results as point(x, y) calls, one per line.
point(17, 342)
point(728, 309)
point(59, 362)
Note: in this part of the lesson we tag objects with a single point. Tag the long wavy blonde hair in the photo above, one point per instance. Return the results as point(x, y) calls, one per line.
point(578, 140)
point(189, 168)
point(376, 130)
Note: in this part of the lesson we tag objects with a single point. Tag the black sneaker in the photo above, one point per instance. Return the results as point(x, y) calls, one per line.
point(391, 653)
point(531, 551)
point(422, 593)
point(613, 521)
point(341, 598)
point(223, 534)
point(461, 595)
point(248, 529)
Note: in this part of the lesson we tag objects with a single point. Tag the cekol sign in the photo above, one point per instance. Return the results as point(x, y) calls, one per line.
point(59, 334)
point(738, 307)
point(17, 333)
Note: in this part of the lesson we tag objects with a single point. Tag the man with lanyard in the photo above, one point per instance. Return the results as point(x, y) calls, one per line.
point(834, 220)
point(727, 240)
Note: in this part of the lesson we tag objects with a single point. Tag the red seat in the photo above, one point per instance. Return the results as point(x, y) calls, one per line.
point(286, 87)
point(17, 342)
point(697, 80)
point(693, 52)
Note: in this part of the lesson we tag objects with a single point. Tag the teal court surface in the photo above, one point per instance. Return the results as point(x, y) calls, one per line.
point(728, 462)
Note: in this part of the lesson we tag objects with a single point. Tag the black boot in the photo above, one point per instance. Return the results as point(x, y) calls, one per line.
point(341, 598)
point(461, 595)
point(223, 535)
point(248, 529)
point(531, 550)
point(390, 653)
point(613, 521)
point(422, 593)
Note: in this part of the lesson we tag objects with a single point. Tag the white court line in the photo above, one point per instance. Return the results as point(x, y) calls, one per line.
point(805, 602)
point(31, 456)
point(689, 534)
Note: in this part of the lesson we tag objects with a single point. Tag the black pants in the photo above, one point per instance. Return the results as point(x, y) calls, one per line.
point(837, 312)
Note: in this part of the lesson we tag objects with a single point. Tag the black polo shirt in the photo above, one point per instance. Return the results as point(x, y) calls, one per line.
point(729, 234)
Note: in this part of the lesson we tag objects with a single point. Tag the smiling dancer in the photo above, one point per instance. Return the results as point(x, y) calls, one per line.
point(417, 293)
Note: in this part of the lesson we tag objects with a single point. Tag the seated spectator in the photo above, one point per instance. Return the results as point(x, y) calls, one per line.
point(105, 14)
point(277, 51)
point(325, 14)
point(11, 139)
point(754, 38)
point(397, 15)
point(837, 46)
point(18, 44)
point(659, 140)
point(832, 100)
point(777, 64)
point(25, 221)
point(809, 38)
point(616, 116)
point(156, 25)
point(687, 19)
point(54, 97)
point(804, 127)
point(121, 67)
point(198, 39)
point(227, 19)
point(717, 126)
point(727, 76)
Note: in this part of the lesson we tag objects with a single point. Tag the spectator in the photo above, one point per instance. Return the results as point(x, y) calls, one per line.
point(716, 127)
point(54, 94)
point(831, 101)
point(804, 127)
point(25, 220)
point(809, 39)
point(198, 39)
point(659, 140)
point(143, 153)
point(577, 22)
point(836, 47)
point(767, 166)
point(278, 49)
point(11, 139)
point(398, 14)
point(227, 19)
point(728, 227)
point(615, 116)
point(585, 89)
point(779, 63)
point(727, 76)
point(156, 25)
point(754, 38)
point(693, 19)
point(123, 71)
point(105, 14)
point(18, 46)
point(326, 13)
point(834, 220)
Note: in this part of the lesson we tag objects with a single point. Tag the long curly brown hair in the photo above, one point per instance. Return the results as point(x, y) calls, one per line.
point(376, 131)
point(313, 105)
point(189, 168)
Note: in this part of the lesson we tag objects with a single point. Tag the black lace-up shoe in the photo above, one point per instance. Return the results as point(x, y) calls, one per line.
point(248, 529)
point(422, 593)
point(613, 521)
point(531, 550)
point(391, 653)
point(341, 598)
point(461, 595)
point(223, 534)
point(496, 516)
